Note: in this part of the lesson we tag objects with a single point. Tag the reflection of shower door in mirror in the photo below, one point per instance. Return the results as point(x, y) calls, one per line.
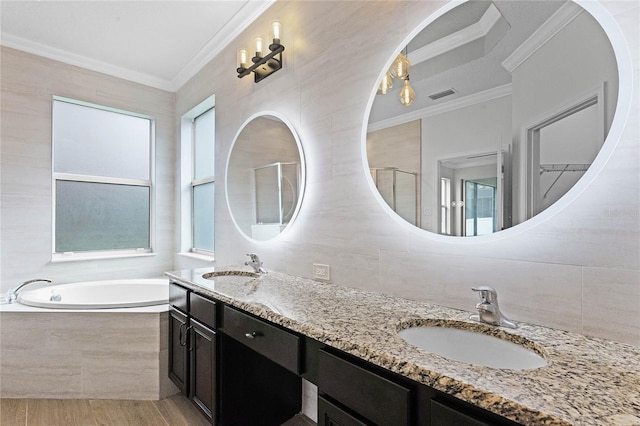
point(561, 148)
point(276, 193)
point(399, 189)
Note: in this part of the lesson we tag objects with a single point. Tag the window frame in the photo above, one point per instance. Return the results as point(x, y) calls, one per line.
point(200, 182)
point(63, 176)
point(187, 181)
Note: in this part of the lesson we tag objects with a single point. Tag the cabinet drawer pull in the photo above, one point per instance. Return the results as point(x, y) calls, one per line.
point(252, 335)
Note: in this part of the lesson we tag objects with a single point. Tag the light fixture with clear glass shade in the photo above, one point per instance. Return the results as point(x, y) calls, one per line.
point(407, 95)
point(385, 84)
point(401, 67)
point(262, 66)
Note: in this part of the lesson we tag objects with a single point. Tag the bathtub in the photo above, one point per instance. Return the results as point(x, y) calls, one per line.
point(107, 294)
point(76, 349)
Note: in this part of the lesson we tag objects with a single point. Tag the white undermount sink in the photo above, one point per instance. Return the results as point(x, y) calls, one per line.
point(472, 347)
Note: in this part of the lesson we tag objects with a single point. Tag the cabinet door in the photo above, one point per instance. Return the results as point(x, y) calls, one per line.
point(203, 368)
point(178, 352)
point(330, 414)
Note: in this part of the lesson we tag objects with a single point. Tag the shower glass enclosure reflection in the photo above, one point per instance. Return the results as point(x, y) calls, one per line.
point(276, 194)
point(399, 188)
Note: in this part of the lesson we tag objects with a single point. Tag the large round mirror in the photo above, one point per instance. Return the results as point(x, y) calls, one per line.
point(490, 114)
point(265, 176)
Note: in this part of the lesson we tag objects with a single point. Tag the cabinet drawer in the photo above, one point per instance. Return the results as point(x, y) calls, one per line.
point(178, 297)
point(276, 344)
point(203, 309)
point(374, 397)
point(443, 415)
point(330, 414)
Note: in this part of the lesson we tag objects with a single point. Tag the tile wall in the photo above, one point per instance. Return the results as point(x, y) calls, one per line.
point(554, 271)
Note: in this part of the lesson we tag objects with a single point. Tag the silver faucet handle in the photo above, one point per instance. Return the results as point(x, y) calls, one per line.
point(254, 258)
point(487, 294)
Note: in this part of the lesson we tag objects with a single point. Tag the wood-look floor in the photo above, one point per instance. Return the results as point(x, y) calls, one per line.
point(173, 411)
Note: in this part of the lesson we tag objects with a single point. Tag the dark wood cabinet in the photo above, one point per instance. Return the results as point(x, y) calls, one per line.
point(330, 414)
point(259, 371)
point(202, 378)
point(443, 415)
point(192, 348)
point(240, 369)
point(364, 392)
point(178, 350)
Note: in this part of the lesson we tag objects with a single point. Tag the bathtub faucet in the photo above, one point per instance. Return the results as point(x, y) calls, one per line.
point(255, 263)
point(12, 294)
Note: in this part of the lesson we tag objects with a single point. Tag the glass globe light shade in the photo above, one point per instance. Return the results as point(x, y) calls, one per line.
point(407, 95)
point(385, 84)
point(401, 67)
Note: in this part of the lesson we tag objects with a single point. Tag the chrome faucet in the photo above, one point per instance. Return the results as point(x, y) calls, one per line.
point(12, 294)
point(488, 310)
point(255, 263)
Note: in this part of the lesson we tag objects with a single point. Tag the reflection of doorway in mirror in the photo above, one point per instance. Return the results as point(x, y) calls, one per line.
point(468, 184)
point(480, 207)
point(562, 147)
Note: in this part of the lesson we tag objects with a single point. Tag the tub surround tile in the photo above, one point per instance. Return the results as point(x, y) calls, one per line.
point(586, 382)
point(82, 354)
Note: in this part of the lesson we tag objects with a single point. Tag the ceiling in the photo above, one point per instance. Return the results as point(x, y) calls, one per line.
point(464, 50)
point(157, 43)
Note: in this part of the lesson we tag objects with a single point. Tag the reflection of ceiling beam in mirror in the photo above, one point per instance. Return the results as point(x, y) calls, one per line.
point(491, 26)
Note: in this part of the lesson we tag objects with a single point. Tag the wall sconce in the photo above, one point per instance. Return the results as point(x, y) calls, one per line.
point(263, 66)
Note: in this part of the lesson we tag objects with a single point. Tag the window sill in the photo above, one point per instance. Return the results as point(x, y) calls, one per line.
point(77, 257)
point(199, 256)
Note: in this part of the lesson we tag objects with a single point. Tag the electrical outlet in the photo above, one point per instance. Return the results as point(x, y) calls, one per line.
point(321, 272)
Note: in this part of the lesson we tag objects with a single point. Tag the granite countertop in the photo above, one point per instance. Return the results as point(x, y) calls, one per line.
point(587, 381)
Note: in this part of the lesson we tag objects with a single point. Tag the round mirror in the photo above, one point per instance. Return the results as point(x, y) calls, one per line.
point(490, 114)
point(265, 176)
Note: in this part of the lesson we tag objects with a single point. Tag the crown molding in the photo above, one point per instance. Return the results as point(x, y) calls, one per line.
point(222, 39)
point(466, 35)
point(563, 16)
point(462, 102)
point(236, 25)
point(81, 61)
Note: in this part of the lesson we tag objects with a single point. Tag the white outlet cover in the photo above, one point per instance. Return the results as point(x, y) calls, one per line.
point(321, 272)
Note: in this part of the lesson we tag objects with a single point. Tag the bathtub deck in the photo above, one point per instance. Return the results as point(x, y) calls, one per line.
point(175, 410)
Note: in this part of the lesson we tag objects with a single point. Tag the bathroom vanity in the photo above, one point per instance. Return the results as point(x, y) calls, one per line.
point(240, 345)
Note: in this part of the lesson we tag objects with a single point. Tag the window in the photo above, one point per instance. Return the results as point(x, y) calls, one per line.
point(197, 177)
point(203, 183)
point(102, 180)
